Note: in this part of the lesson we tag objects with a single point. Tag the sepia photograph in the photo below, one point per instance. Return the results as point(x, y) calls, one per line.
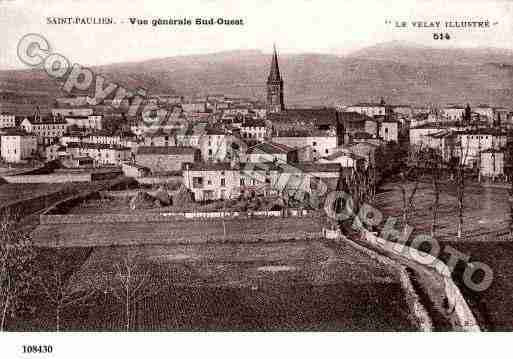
point(293, 168)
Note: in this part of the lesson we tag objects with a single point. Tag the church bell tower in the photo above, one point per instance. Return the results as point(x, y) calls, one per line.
point(275, 87)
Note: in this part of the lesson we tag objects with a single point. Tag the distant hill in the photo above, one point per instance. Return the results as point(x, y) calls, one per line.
point(400, 72)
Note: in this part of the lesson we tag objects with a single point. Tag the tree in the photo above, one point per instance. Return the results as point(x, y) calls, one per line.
point(458, 164)
point(130, 281)
point(408, 176)
point(60, 292)
point(434, 163)
point(16, 258)
point(360, 185)
point(509, 174)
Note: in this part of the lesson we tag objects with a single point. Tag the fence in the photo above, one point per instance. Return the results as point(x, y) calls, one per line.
point(52, 215)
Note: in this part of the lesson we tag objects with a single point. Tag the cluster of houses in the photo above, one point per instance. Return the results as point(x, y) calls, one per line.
point(221, 159)
point(224, 147)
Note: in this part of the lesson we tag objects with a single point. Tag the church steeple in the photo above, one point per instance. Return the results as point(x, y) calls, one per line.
point(275, 86)
point(274, 73)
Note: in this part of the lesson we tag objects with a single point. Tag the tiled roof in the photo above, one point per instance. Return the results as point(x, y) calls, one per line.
point(47, 120)
point(165, 150)
point(368, 104)
point(341, 153)
point(314, 115)
point(353, 117)
point(270, 147)
point(98, 146)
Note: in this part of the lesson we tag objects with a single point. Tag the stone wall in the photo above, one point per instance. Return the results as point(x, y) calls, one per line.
point(50, 178)
point(465, 320)
point(28, 206)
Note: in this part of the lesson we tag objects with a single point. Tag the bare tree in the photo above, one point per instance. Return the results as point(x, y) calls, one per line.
point(509, 177)
point(459, 164)
point(435, 163)
point(409, 177)
point(130, 282)
point(360, 185)
point(16, 255)
point(59, 290)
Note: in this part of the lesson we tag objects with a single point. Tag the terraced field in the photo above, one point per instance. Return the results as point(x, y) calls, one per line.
point(176, 231)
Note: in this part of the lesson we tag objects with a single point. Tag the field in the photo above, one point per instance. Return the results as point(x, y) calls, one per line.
point(494, 306)
point(486, 210)
point(299, 285)
point(118, 202)
point(11, 192)
point(486, 213)
point(177, 231)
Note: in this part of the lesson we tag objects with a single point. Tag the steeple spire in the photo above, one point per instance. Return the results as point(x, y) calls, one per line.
point(274, 73)
point(275, 86)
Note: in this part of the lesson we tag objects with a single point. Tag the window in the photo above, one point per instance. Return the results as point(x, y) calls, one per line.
point(197, 182)
point(327, 151)
point(209, 182)
point(223, 182)
point(314, 143)
point(314, 183)
point(242, 181)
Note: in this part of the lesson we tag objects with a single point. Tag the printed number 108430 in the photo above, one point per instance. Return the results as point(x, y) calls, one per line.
point(37, 349)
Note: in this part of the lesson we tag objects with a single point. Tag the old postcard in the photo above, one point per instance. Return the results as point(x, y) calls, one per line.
point(243, 166)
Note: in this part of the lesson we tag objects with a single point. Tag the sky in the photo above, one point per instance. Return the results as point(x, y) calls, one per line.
point(296, 26)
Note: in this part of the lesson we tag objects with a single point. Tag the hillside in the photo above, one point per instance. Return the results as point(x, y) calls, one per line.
point(402, 73)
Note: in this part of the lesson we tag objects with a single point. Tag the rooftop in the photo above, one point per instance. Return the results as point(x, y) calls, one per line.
point(368, 104)
point(270, 147)
point(166, 150)
point(353, 117)
point(342, 152)
point(313, 115)
point(99, 146)
point(46, 120)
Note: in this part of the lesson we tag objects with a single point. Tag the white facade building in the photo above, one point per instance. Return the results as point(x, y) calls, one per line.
point(17, 146)
point(7, 120)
